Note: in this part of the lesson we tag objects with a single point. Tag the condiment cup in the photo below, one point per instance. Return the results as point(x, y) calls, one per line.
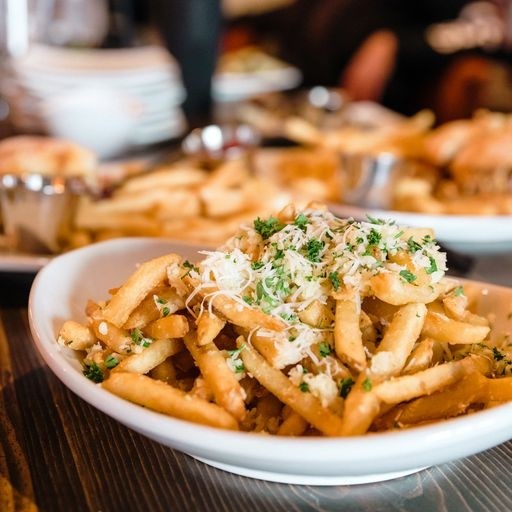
point(38, 211)
point(213, 144)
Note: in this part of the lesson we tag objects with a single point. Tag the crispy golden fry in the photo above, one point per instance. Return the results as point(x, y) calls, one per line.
point(400, 337)
point(147, 277)
point(209, 326)
point(165, 372)
point(499, 390)
point(395, 290)
point(218, 376)
point(277, 383)
point(316, 315)
point(421, 357)
point(361, 407)
point(402, 389)
point(118, 340)
point(163, 300)
point(348, 340)
point(451, 401)
point(442, 328)
point(152, 356)
point(293, 425)
point(172, 326)
point(161, 397)
point(238, 314)
point(76, 336)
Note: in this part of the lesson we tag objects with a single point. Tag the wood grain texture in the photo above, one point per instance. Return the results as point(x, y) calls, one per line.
point(57, 453)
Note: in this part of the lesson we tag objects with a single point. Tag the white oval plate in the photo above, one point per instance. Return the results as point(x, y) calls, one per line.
point(60, 292)
point(470, 234)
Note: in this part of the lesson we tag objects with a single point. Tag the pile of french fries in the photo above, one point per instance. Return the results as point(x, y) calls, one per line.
point(182, 201)
point(300, 324)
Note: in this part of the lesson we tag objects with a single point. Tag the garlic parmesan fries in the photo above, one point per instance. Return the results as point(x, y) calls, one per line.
point(300, 324)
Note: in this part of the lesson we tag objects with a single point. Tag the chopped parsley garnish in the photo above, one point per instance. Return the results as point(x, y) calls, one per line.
point(256, 265)
point(325, 349)
point(497, 354)
point(190, 267)
point(266, 228)
point(407, 275)
point(240, 368)
point(313, 250)
point(433, 266)
point(304, 387)
point(166, 311)
point(367, 384)
point(335, 280)
point(373, 220)
point(458, 291)
point(93, 372)
point(248, 300)
point(301, 221)
point(139, 339)
point(159, 300)
point(111, 361)
point(236, 352)
point(345, 386)
point(412, 245)
point(374, 237)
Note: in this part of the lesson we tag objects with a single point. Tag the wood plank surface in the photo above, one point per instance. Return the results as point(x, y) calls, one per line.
point(57, 453)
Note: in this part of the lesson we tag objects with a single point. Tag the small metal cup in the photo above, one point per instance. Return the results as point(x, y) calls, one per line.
point(38, 211)
point(214, 144)
point(369, 180)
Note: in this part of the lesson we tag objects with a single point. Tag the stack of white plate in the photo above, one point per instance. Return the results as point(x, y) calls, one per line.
point(147, 76)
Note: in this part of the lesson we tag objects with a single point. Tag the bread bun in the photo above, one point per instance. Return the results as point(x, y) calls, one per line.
point(45, 155)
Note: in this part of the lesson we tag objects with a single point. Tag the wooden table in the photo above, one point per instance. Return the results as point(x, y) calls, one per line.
point(57, 453)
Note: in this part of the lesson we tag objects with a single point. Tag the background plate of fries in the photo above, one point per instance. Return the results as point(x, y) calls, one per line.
point(62, 289)
point(470, 234)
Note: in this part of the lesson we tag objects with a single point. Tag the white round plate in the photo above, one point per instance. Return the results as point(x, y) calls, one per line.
point(236, 86)
point(470, 234)
point(60, 291)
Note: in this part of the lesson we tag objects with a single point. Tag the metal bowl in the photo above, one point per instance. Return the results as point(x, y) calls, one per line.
point(368, 181)
point(38, 210)
point(214, 144)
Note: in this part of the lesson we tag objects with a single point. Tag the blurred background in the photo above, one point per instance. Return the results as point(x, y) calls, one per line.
point(143, 72)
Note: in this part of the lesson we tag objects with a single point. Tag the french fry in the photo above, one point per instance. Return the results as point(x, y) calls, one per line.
point(277, 383)
point(165, 372)
point(76, 336)
point(293, 425)
point(218, 376)
point(161, 397)
point(348, 340)
point(407, 387)
point(172, 326)
point(400, 337)
point(421, 356)
point(150, 357)
point(394, 290)
point(442, 328)
point(118, 340)
point(147, 277)
point(209, 326)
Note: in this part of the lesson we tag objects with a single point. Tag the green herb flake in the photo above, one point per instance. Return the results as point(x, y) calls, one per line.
point(248, 300)
point(240, 368)
point(139, 339)
point(413, 246)
point(236, 352)
point(256, 265)
point(407, 275)
point(111, 361)
point(367, 384)
point(432, 267)
point(374, 237)
point(325, 349)
point(304, 387)
point(497, 354)
point(345, 386)
point(266, 228)
point(458, 291)
point(301, 221)
point(335, 280)
point(93, 372)
point(373, 220)
point(313, 250)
